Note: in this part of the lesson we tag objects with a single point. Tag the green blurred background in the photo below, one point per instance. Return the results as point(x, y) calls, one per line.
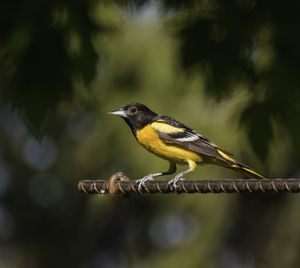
point(228, 69)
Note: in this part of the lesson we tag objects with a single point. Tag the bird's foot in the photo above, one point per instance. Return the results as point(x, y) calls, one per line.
point(173, 182)
point(141, 182)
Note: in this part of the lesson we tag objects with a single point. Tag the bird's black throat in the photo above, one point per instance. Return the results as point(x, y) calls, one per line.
point(140, 120)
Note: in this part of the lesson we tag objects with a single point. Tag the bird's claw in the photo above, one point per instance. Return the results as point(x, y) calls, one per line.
point(173, 183)
point(142, 182)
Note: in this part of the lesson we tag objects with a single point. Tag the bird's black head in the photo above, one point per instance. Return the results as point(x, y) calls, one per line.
point(136, 115)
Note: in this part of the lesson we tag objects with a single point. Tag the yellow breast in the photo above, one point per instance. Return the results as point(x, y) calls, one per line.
point(148, 138)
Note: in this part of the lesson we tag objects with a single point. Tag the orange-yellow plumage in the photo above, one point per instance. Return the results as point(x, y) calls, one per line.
point(149, 139)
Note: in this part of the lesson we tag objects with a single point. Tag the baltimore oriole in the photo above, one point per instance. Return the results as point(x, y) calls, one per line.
point(175, 142)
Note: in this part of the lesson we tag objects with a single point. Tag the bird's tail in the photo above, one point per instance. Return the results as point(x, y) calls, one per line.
point(233, 164)
point(249, 172)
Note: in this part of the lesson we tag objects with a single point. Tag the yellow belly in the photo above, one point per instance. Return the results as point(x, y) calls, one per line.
point(150, 140)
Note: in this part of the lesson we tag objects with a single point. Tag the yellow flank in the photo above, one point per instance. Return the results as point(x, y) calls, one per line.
point(163, 127)
point(226, 156)
point(149, 139)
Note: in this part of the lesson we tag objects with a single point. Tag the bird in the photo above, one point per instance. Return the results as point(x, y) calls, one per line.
point(173, 141)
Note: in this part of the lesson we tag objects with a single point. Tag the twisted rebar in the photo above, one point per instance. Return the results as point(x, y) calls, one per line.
point(120, 184)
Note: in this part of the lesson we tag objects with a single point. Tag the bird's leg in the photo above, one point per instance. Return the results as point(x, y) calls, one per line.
point(141, 182)
point(178, 177)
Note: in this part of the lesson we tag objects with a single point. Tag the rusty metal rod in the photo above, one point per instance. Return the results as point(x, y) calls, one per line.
point(120, 184)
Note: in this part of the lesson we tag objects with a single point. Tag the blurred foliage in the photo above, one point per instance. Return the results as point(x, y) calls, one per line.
point(253, 43)
point(43, 47)
point(210, 64)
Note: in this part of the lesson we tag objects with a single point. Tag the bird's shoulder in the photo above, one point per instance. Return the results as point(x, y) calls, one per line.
point(177, 130)
point(164, 119)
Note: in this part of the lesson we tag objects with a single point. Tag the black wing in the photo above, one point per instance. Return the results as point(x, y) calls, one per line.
point(182, 136)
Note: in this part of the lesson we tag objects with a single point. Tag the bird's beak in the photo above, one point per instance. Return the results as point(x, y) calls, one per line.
point(118, 112)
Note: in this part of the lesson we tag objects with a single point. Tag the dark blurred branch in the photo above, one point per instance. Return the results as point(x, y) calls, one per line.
point(120, 184)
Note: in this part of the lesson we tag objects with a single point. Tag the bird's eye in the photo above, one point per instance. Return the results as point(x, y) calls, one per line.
point(133, 110)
